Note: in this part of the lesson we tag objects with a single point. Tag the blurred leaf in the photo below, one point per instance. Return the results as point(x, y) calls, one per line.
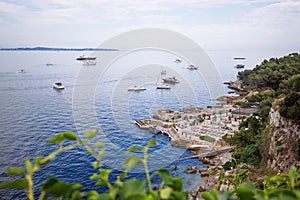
point(90, 150)
point(28, 166)
point(92, 195)
point(18, 184)
point(100, 154)
point(95, 176)
point(60, 188)
point(70, 136)
point(131, 162)
point(16, 171)
point(123, 175)
point(177, 184)
point(99, 145)
point(211, 195)
point(76, 186)
point(152, 143)
point(165, 192)
point(133, 188)
point(246, 191)
point(134, 148)
point(38, 161)
point(180, 195)
point(104, 196)
point(91, 134)
point(58, 139)
point(165, 176)
point(49, 183)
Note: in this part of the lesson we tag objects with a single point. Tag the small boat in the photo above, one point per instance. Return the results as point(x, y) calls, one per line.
point(49, 64)
point(22, 71)
point(177, 61)
point(136, 88)
point(239, 66)
point(192, 67)
point(58, 86)
point(171, 80)
point(89, 62)
point(83, 57)
point(163, 72)
point(239, 58)
point(163, 87)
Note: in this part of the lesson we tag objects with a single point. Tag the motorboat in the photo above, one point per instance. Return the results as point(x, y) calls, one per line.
point(240, 66)
point(58, 86)
point(136, 88)
point(239, 58)
point(177, 61)
point(89, 62)
point(192, 67)
point(22, 71)
point(163, 87)
point(171, 80)
point(83, 57)
point(49, 64)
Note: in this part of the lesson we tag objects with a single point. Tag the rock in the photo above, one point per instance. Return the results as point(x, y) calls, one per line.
point(204, 174)
point(191, 170)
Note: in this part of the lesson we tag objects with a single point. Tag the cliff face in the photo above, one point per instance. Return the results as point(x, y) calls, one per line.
point(284, 136)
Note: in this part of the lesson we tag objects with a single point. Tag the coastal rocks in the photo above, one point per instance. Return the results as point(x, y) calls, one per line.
point(191, 170)
point(284, 139)
point(236, 85)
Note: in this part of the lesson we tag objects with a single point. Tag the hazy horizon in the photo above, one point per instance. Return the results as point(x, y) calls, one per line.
point(214, 25)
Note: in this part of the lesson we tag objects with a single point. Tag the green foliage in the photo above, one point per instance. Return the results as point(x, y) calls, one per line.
point(207, 138)
point(291, 106)
point(282, 186)
point(270, 73)
point(170, 188)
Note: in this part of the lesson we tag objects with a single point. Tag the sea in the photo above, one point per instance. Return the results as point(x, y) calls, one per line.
point(96, 97)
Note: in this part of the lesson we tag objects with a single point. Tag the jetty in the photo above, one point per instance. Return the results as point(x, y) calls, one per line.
point(211, 153)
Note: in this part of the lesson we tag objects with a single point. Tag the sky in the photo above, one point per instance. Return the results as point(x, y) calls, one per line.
point(213, 24)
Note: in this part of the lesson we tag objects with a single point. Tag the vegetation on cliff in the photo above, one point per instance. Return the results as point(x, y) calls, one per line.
point(272, 79)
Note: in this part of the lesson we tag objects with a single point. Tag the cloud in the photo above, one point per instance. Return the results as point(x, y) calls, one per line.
point(280, 15)
point(216, 22)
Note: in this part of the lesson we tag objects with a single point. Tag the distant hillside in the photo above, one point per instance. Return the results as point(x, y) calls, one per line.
point(56, 49)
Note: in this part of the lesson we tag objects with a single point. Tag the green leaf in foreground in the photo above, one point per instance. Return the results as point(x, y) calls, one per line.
point(16, 171)
point(134, 148)
point(70, 136)
point(58, 139)
point(91, 134)
point(165, 193)
point(18, 184)
point(133, 188)
point(131, 162)
point(211, 195)
point(152, 143)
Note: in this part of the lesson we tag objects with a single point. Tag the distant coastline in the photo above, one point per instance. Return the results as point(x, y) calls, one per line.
point(56, 49)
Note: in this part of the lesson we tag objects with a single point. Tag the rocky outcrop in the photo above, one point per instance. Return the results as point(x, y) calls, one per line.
point(284, 136)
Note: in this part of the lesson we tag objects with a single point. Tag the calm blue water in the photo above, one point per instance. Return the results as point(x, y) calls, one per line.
point(31, 112)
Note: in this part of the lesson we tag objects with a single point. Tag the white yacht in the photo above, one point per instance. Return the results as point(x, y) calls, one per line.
point(177, 61)
point(136, 88)
point(192, 67)
point(58, 86)
point(83, 57)
point(22, 71)
point(171, 80)
point(89, 62)
point(163, 87)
